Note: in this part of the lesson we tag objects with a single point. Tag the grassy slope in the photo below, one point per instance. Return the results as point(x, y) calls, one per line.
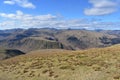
point(92, 64)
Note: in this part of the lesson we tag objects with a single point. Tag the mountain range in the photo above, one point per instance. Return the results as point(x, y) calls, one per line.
point(59, 54)
point(31, 39)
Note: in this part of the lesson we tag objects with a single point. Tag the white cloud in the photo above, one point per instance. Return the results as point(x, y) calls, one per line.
point(9, 2)
point(22, 20)
point(26, 20)
point(102, 7)
point(22, 3)
point(7, 24)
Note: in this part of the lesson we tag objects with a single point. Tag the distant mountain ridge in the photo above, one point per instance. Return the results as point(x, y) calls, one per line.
point(49, 38)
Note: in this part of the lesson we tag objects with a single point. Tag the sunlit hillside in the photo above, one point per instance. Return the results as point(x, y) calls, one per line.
point(92, 64)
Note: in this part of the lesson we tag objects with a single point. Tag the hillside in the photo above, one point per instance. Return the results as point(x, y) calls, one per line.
point(31, 43)
point(91, 64)
point(46, 38)
point(84, 39)
point(8, 53)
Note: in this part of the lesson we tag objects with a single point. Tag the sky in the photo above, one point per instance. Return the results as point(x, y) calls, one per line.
point(60, 14)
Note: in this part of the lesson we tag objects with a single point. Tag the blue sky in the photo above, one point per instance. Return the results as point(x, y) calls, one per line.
point(88, 14)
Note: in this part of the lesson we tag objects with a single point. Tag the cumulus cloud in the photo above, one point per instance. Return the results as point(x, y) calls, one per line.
point(11, 23)
point(102, 7)
point(19, 15)
point(22, 20)
point(9, 2)
point(21, 3)
point(27, 20)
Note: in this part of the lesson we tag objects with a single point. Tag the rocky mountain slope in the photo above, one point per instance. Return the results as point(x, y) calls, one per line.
point(46, 38)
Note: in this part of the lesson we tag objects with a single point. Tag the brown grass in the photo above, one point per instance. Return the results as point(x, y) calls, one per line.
point(92, 64)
